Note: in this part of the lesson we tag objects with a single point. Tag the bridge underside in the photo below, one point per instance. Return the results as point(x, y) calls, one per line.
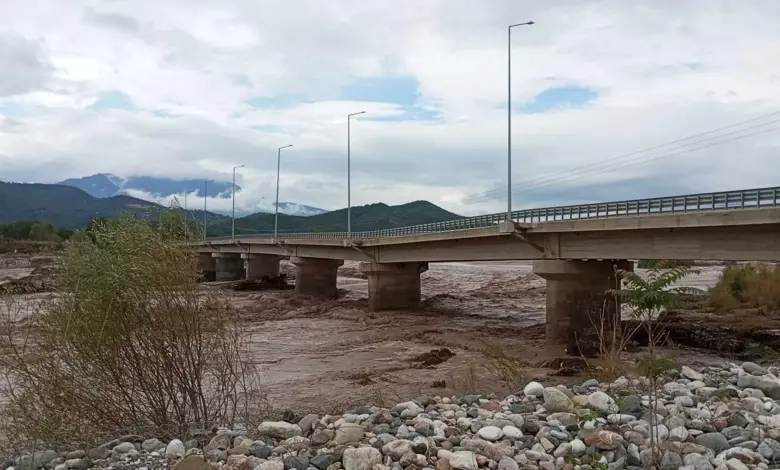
point(577, 258)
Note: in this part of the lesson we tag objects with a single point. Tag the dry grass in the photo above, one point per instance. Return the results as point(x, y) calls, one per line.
point(754, 286)
point(511, 371)
point(129, 344)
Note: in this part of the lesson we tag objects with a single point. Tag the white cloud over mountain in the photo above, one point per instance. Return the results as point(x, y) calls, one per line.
point(188, 89)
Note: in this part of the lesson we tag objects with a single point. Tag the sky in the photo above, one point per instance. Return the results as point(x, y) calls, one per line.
point(192, 88)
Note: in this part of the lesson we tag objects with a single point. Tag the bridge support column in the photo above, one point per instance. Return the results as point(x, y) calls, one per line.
point(259, 266)
point(578, 308)
point(393, 286)
point(208, 266)
point(230, 266)
point(316, 277)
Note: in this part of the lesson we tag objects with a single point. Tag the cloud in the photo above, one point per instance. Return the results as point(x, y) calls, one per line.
point(189, 89)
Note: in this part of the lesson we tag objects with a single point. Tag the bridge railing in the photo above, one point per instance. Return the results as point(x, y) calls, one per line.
point(704, 202)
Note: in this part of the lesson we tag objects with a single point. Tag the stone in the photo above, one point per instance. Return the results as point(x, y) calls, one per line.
point(124, 447)
point(603, 439)
point(307, 423)
point(534, 389)
point(734, 464)
point(671, 460)
point(270, 465)
point(174, 449)
point(260, 450)
point(578, 447)
point(218, 442)
point(556, 400)
point(150, 445)
point(192, 462)
point(512, 432)
point(602, 402)
point(77, 464)
point(349, 433)
point(363, 458)
point(279, 429)
point(297, 462)
point(678, 434)
point(507, 463)
point(396, 449)
point(463, 460)
point(689, 373)
point(98, 453)
point(442, 464)
point(753, 368)
point(769, 448)
point(713, 440)
point(490, 433)
point(770, 387)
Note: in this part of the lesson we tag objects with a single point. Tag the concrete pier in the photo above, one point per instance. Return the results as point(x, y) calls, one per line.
point(393, 286)
point(316, 277)
point(229, 266)
point(208, 266)
point(259, 266)
point(577, 304)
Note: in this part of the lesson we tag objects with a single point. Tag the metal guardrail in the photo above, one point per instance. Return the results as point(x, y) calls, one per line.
point(705, 202)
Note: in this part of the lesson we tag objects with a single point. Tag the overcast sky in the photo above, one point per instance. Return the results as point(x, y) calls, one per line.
point(190, 88)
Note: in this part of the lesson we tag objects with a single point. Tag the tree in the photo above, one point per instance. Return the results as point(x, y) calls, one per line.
point(41, 231)
point(649, 297)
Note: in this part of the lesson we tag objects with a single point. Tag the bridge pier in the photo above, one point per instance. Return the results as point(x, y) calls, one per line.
point(393, 286)
point(316, 277)
point(229, 266)
point(208, 266)
point(578, 309)
point(259, 265)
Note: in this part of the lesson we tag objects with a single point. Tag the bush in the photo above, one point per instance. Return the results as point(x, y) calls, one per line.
point(129, 345)
point(748, 286)
point(663, 263)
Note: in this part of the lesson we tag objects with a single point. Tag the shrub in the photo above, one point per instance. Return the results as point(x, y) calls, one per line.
point(129, 345)
point(748, 286)
point(663, 263)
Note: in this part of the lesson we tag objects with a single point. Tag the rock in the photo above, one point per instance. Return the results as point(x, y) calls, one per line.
point(578, 447)
point(533, 389)
point(124, 448)
point(603, 439)
point(307, 423)
point(753, 368)
point(322, 436)
point(174, 449)
point(512, 432)
point(396, 449)
point(507, 463)
point(297, 462)
point(671, 460)
point(678, 434)
point(192, 462)
point(218, 442)
point(98, 453)
point(771, 388)
point(490, 433)
point(769, 448)
point(77, 464)
point(322, 462)
point(150, 445)
point(464, 460)
point(279, 429)
point(713, 440)
point(734, 464)
point(556, 400)
point(270, 465)
point(348, 433)
point(363, 458)
point(602, 402)
point(442, 464)
point(689, 373)
point(262, 451)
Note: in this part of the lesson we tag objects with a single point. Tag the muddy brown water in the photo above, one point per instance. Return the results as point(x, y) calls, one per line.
point(336, 354)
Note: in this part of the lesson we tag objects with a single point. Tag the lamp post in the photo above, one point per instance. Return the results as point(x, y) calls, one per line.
point(233, 230)
point(509, 120)
point(349, 175)
point(205, 199)
point(278, 166)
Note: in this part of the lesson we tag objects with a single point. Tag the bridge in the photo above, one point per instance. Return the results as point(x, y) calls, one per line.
point(574, 248)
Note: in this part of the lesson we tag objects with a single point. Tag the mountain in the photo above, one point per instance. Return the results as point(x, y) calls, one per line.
point(60, 205)
point(68, 207)
point(106, 185)
point(370, 217)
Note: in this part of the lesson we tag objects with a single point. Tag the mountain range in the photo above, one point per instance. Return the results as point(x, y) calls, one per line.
point(69, 207)
point(150, 188)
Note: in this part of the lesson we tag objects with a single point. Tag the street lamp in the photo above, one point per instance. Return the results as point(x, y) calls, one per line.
point(349, 177)
point(233, 231)
point(278, 166)
point(509, 121)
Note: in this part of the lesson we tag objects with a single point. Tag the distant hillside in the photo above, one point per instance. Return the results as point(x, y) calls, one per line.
point(71, 208)
point(371, 217)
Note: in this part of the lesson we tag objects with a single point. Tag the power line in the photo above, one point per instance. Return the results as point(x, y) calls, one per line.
point(479, 197)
